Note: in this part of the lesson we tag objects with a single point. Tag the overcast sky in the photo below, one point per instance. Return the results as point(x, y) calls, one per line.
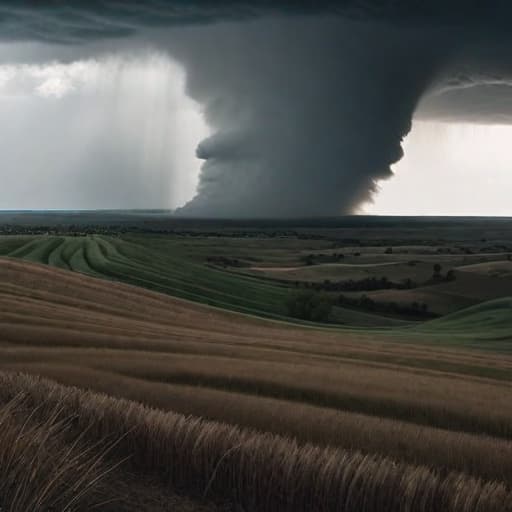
point(116, 131)
point(256, 113)
point(130, 134)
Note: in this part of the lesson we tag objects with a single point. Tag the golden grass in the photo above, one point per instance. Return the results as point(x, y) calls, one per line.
point(349, 400)
point(420, 396)
point(49, 463)
point(38, 471)
point(478, 455)
point(258, 472)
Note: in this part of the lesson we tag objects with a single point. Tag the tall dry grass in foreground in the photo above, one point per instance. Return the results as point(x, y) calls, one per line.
point(255, 472)
point(38, 470)
point(477, 455)
point(343, 390)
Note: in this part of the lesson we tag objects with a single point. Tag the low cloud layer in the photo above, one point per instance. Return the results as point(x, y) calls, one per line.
point(307, 103)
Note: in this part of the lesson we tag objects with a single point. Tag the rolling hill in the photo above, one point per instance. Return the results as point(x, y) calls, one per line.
point(360, 399)
point(155, 265)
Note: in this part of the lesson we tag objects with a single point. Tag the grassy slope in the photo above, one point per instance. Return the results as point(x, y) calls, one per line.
point(71, 469)
point(167, 267)
point(160, 266)
point(479, 276)
point(353, 389)
point(121, 260)
point(349, 389)
point(468, 289)
point(243, 469)
point(488, 324)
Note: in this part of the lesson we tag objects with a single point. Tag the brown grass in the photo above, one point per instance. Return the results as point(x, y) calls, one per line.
point(419, 396)
point(478, 455)
point(326, 392)
point(258, 472)
point(38, 471)
point(49, 463)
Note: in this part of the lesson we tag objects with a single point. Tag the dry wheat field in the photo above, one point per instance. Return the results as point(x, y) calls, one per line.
point(174, 405)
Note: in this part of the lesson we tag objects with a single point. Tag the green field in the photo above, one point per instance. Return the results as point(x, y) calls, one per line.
point(151, 267)
point(164, 265)
point(179, 266)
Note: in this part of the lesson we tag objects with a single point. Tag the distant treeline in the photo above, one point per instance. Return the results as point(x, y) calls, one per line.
point(372, 283)
point(316, 307)
point(224, 261)
point(415, 309)
point(359, 285)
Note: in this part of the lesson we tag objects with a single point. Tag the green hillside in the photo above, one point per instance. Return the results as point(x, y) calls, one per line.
point(486, 325)
point(132, 263)
point(166, 267)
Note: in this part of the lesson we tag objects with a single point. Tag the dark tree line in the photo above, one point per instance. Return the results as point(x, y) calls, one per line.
point(366, 284)
point(414, 309)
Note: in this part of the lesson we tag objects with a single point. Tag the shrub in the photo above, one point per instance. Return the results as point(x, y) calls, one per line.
point(308, 305)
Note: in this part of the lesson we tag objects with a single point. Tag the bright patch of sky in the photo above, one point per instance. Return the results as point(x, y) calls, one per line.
point(450, 169)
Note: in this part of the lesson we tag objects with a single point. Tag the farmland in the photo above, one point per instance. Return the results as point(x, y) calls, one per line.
point(170, 364)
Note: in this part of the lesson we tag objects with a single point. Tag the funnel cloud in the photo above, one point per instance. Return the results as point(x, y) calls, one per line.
point(307, 104)
point(306, 118)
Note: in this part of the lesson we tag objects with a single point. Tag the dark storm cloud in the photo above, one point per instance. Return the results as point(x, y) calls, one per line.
point(60, 20)
point(477, 86)
point(307, 112)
